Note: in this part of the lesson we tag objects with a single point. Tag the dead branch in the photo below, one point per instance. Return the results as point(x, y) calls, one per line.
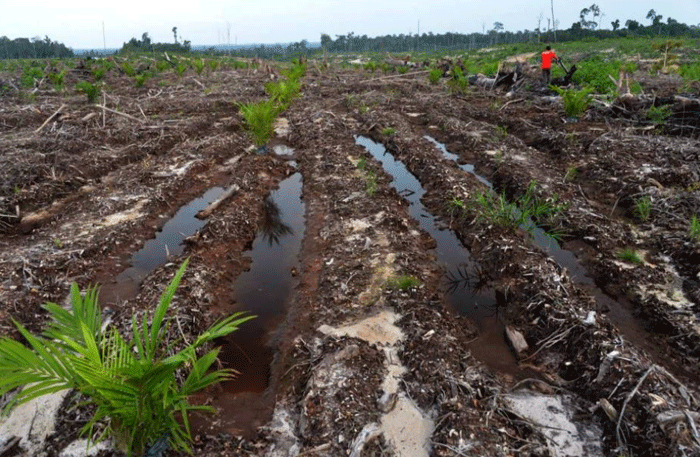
point(128, 116)
point(215, 204)
point(395, 76)
point(50, 118)
point(627, 400)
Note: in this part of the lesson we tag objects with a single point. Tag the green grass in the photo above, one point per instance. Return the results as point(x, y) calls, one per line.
point(694, 228)
point(403, 282)
point(642, 208)
point(388, 131)
point(575, 101)
point(629, 255)
point(139, 387)
point(180, 69)
point(524, 212)
point(260, 119)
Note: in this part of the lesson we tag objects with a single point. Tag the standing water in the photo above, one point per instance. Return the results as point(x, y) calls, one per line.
point(460, 269)
point(245, 404)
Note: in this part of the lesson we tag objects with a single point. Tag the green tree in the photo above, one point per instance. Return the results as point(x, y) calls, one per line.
point(175, 34)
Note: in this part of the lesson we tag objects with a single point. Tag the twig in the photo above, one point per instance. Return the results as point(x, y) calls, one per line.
point(128, 116)
point(627, 400)
point(202, 85)
point(512, 101)
point(104, 113)
point(50, 118)
point(395, 76)
point(212, 206)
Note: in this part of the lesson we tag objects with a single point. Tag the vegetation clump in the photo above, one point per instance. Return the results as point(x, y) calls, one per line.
point(89, 89)
point(629, 255)
point(139, 387)
point(575, 101)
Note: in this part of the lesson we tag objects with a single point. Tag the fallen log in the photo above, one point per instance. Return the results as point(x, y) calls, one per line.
point(206, 212)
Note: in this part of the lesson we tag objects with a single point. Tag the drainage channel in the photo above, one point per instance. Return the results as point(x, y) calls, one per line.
point(244, 403)
point(460, 270)
point(619, 311)
point(154, 253)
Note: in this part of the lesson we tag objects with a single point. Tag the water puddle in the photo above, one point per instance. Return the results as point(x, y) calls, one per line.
point(464, 292)
point(263, 291)
point(154, 253)
point(619, 311)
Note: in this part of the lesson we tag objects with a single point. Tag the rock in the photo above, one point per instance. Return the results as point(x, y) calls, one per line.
point(516, 340)
point(33, 421)
point(79, 448)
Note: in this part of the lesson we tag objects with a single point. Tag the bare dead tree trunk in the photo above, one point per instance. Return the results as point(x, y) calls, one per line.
point(554, 23)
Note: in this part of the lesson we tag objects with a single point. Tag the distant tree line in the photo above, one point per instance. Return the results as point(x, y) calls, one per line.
point(25, 48)
point(145, 44)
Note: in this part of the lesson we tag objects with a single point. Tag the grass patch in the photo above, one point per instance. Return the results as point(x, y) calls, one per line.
point(629, 255)
point(658, 115)
point(403, 282)
point(526, 212)
point(388, 131)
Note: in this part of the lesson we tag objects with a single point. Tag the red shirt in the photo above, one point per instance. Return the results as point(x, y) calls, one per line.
point(547, 57)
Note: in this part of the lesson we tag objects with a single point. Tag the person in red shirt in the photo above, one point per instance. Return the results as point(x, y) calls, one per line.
point(548, 57)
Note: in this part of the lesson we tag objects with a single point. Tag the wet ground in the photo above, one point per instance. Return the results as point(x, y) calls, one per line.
point(383, 291)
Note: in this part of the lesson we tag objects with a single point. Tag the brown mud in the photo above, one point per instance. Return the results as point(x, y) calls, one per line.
point(351, 353)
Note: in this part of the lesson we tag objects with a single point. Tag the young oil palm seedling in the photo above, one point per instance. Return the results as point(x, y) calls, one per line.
point(694, 229)
point(90, 90)
point(139, 387)
point(434, 76)
point(283, 92)
point(642, 208)
point(260, 119)
point(575, 101)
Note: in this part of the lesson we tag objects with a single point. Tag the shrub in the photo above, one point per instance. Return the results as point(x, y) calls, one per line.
point(260, 119)
point(575, 101)
point(162, 65)
point(132, 384)
point(402, 69)
point(213, 64)
point(90, 90)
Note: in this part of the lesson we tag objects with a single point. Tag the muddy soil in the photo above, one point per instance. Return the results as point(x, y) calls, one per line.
point(358, 354)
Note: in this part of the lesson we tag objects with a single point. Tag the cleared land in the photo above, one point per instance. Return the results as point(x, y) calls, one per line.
point(372, 338)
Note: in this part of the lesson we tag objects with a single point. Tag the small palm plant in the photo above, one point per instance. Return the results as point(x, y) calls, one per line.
point(133, 384)
point(575, 101)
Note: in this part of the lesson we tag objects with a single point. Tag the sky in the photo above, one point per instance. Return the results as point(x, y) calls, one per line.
point(78, 23)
